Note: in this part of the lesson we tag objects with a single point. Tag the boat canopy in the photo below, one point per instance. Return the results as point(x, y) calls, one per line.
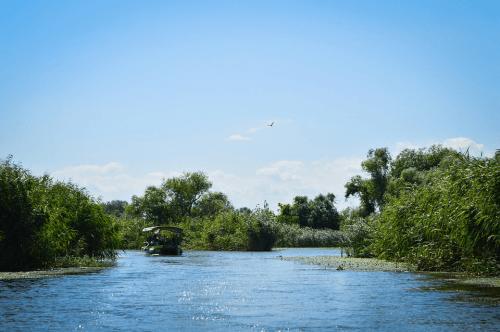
point(166, 228)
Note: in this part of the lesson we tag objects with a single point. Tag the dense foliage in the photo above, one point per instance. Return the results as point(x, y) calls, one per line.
point(177, 198)
point(210, 222)
point(42, 220)
point(452, 221)
point(317, 213)
point(440, 211)
point(115, 208)
point(208, 219)
point(371, 191)
point(292, 235)
point(130, 231)
point(232, 230)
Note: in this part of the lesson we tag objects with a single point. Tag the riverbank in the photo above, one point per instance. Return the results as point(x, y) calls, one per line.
point(50, 273)
point(465, 279)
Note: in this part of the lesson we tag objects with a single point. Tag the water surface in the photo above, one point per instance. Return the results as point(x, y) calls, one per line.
point(212, 291)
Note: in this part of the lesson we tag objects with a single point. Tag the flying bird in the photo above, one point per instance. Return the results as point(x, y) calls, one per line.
point(271, 124)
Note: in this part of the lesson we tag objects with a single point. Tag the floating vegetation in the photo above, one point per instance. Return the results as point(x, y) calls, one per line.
point(49, 273)
point(353, 263)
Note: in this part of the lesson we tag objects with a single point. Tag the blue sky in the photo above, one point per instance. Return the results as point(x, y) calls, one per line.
point(118, 94)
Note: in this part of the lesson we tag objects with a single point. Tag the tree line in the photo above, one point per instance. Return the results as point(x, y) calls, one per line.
point(210, 221)
point(434, 207)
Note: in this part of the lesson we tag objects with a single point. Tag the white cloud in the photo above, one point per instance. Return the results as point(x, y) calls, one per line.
point(276, 182)
point(109, 181)
point(283, 169)
point(238, 137)
point(463, 143)
point(247, 136)
point(280, 181)
point(400, 146)
point(458, 143)
point(111, 167)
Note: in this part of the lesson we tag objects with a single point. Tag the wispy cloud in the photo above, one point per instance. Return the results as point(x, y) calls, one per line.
point(275, 182)
point(248, 134)
point(238, 137)
point(461, 144)
point(280, 181)
point(111, 180)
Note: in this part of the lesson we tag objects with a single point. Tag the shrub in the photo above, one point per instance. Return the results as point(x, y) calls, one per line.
point(42, 220)
point(130, 231)
point(451, 222)
point(295, 236)
point(230, 230)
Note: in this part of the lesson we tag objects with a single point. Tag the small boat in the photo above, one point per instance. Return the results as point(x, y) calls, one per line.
point(163, 240)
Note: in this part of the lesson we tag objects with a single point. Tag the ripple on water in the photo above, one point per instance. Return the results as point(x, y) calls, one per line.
point(215, 291)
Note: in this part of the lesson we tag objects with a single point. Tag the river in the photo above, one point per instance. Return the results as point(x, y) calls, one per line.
point(231, 291)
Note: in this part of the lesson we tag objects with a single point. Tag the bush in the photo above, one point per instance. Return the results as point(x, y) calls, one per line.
point(358, 233)
point(289, 235)
point(130, 231)
point(42, 220)
point(230, 230)
point(452, 222)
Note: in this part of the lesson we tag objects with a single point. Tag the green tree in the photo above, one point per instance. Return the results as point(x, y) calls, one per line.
point(184, 191)
point(115, 208)
point(317, 213)
point(323, 213)
point(42, 221)
point(211, 204)
point(371, 191)
point(175, 199)
point(153, 206)
point(411, 167)
point(448, 222)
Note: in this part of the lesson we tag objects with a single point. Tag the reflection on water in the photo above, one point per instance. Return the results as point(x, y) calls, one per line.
point(235, 291)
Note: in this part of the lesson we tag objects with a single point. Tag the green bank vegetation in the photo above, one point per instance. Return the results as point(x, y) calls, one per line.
point(46, 223)
point(210, 222)
point(434, 208)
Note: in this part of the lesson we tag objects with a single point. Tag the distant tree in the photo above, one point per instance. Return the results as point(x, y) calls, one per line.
point(371, 191)
point(175, 199)
point(317, 213)
point(244, 210)
point(184, 191)
point(287, 214)
point(153, 206)
point(115, 208)
point(323, 212)
point(211, 204)
point(360, 187)
point(421, 159)
point(411, 167)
